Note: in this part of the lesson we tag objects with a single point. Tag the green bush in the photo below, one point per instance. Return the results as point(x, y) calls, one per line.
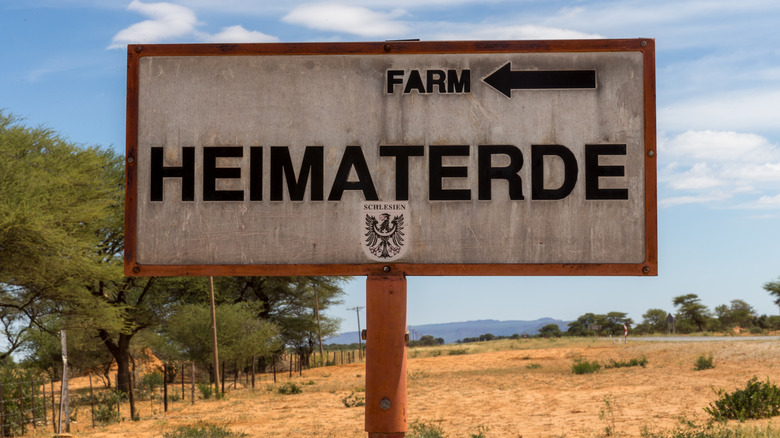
point(642, 361)
point(105, 407)
point(480, 432)
point(581, 366)
point(151, 381)
point(205, 390)
point(353, 400)
point(704, 363)
point(757, 400)
point(690, 429)
point(458, 351)
point(424, 430)
point(289, 388)
point(203, 431)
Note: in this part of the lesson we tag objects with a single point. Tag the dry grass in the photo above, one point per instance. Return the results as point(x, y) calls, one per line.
point(492, 386)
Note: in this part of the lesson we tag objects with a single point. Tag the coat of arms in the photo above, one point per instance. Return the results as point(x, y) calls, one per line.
point(385, 233)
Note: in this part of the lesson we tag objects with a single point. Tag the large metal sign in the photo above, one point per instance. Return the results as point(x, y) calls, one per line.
point(433, 158)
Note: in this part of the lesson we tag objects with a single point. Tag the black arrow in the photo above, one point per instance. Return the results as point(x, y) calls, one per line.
point(505, 80)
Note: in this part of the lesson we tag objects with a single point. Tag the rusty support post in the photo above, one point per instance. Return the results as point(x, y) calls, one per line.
point(386, 356)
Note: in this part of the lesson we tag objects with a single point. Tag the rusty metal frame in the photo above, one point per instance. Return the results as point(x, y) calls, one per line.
point(649, 267)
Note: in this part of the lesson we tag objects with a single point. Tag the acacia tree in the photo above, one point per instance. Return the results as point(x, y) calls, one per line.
point(653, 321)
point(240, 334)
point(773, 287)
point(691, 309)
point(61, 243)
point(289, 302)
point(550, 331)
point(56, 201)
point(582, 326)
point(738, 313)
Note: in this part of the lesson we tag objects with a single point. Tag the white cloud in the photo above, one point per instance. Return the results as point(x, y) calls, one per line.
point(710, 166)
point(513, 32)
point(745, 110)
point(714, 197)
point(354, 20)
point(720, 146)
point(237, 34)
point(769, 201)
point(166, 21)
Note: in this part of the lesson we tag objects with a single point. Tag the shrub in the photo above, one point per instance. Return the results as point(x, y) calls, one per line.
point(105, 407)
point(533, 366)
point(458, 351)
point(704, 363)
point(205, 390)
point(480, 432)
point(151, 381)
point(757, 400)
point(353, 400)
point(203, 431)
point(690, 429)
point(425, 430)
point(289, 388)
point(582, 366)
point(642, 361)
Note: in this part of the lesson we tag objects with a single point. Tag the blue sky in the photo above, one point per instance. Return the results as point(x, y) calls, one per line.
point(63, 66)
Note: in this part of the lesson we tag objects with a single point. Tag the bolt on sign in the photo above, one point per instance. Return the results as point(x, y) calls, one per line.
point(435, 158)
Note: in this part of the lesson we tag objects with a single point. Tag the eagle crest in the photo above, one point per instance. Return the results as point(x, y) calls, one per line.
point(384, 237)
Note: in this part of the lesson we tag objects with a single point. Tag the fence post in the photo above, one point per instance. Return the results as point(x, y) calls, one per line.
point(183, 398)
point(92, 400)
point(64, 406)
point(253, 371)
point(165, 387)
point(21, 408)
point(32, 399)
point(192, 384)
point(291, 365)
point(53, 408)
point(273, 366)
point(2, 411)
point(223, 378)
point(43, 393)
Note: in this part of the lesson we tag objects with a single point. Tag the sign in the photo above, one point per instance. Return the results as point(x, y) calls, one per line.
point(429, 158)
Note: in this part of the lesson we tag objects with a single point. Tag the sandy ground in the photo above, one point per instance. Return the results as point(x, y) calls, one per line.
point(526, 389)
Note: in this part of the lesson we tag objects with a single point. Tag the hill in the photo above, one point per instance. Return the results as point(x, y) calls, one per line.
point(453, 331)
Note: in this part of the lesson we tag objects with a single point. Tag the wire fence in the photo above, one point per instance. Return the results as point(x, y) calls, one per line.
point(23, 406)
point(30, 402)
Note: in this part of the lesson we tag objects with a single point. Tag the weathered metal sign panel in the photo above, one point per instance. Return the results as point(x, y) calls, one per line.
point(450, 158)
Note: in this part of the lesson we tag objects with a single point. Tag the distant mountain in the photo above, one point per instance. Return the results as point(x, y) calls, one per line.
point(453, 331)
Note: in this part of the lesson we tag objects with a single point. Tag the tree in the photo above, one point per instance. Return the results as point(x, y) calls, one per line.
point(690, 308)
point(550, 331)
point(288, 302)
point(739, 313)
point(240, 334)
point(61, 243)
point(612, 323)
point(773, 288)
point(55, 198)
point(582, 326)
point(654, 321)
point(426, 341)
